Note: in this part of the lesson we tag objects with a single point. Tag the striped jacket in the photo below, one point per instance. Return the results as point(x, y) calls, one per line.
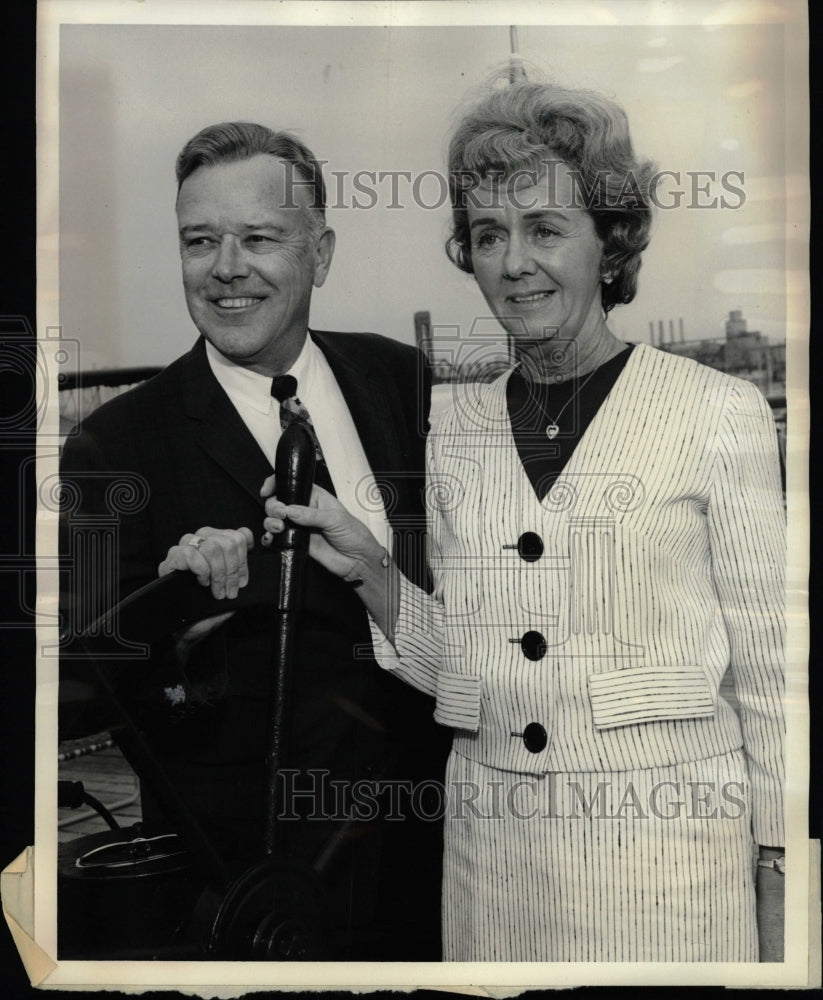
point(662, 565)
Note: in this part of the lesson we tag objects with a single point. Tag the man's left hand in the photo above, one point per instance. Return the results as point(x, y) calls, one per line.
point(218, 562)
point(218, 559)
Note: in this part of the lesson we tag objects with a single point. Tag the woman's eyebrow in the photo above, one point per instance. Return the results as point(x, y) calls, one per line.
point(482, 222)
point(541, 213)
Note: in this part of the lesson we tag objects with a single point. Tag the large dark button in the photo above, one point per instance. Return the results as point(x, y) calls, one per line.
point(535, 738)
point(530, 546)
point(533, 645)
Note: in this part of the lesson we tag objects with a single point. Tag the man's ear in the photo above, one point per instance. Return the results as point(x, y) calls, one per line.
point(323, 253)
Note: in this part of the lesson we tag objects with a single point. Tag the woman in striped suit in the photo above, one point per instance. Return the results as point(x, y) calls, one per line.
point(605, 541)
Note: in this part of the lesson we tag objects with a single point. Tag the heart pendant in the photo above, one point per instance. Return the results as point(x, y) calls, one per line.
point(552, 431)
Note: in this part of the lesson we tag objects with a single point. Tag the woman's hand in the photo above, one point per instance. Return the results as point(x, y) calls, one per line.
point(345, 546)
point(339, 542)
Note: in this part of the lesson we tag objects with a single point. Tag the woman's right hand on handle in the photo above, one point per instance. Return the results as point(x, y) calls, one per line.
point(344, 545)
point(339, 542)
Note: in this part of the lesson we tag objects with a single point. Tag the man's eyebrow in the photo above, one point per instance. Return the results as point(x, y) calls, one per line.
point(199, 227)
point(264, 225)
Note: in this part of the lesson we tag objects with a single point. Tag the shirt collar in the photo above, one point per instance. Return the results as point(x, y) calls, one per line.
point(254, 389)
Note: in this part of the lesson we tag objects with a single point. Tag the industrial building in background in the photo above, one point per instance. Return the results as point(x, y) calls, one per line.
point(747, 354)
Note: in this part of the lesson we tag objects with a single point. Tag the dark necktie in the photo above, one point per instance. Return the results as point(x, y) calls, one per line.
point(284, 389)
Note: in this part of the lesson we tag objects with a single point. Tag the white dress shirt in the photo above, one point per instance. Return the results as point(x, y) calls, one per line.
point(317, 389)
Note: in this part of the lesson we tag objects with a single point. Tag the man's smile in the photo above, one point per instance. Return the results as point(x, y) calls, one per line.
point(237, 303)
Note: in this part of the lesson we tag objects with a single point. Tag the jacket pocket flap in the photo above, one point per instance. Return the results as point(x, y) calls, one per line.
point(458, 700)
point(649, 694)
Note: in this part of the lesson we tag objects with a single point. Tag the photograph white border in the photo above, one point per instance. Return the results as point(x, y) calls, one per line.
point(226, 979)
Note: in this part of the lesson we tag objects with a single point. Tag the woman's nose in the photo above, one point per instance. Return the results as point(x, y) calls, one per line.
point(517, 260)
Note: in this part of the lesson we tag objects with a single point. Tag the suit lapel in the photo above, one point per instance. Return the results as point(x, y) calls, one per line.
point(218, 427)
point(390, 440)
point(365, 384)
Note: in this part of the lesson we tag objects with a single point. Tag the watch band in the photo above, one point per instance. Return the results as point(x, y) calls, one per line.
point(778, 863)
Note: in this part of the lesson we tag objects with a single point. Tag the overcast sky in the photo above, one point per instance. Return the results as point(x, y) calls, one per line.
point(699, 98)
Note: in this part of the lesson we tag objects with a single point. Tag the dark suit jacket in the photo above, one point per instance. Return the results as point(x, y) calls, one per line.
point(196, 465)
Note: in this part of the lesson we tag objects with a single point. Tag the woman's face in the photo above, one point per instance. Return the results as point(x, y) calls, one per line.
point(536, 256)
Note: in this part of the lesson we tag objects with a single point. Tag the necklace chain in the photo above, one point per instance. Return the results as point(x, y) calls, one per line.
point(552, 428)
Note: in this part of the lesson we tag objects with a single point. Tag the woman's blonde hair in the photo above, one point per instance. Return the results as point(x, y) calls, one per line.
point(525, 125)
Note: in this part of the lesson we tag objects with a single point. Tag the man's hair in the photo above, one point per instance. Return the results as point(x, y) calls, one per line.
point(229, 142)
point(523, 126)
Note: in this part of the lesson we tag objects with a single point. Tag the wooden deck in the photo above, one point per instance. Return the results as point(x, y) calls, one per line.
point(106, 776)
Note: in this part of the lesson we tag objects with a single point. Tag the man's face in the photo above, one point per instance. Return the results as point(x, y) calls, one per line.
point(250, 262)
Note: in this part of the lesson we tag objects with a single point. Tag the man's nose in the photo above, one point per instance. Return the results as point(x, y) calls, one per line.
point(230, 262)
point(517, 259)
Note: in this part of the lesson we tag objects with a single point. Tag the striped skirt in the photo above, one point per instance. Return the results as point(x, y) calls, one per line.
point(652, 865)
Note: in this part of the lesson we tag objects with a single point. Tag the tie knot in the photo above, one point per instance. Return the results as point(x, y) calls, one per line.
point(283, 387)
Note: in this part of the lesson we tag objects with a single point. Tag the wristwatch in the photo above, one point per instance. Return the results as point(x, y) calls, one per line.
point(778, 863)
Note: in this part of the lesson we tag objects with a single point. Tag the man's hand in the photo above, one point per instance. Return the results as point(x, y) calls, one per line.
point(217, 557)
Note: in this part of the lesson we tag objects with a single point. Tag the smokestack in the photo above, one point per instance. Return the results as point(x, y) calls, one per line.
point(423, 333)
point(660, 331)
point(682, 334)
point(651, 332)
point(671, 331)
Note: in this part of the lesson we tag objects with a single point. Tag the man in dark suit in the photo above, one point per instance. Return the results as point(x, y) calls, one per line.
point(201, 437)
